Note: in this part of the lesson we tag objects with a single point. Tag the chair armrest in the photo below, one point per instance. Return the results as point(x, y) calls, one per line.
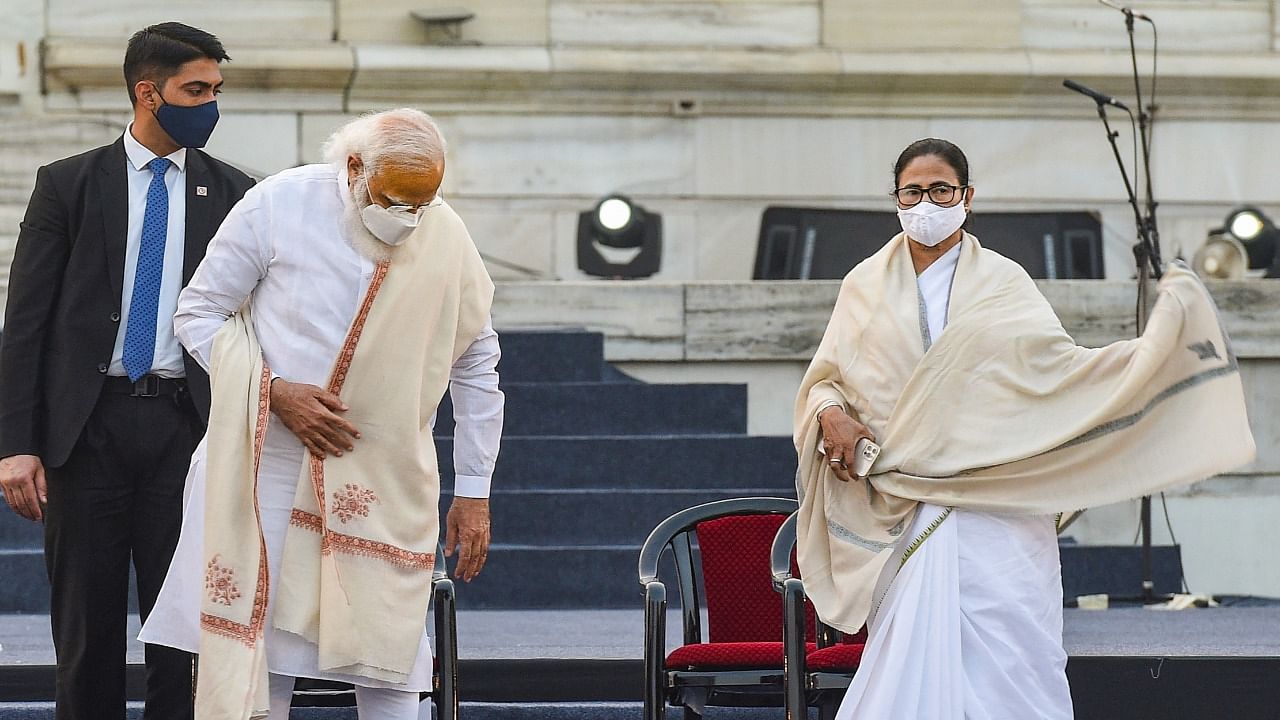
point(655, 648)
point(446, 622)
point(793, 647)
point(650, 552)
point(780, 553)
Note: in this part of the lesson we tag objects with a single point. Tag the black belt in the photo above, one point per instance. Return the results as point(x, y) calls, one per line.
point(145, 386)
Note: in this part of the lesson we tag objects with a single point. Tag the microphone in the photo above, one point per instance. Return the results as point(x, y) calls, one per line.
point(1125, 10)
point(1097, 96)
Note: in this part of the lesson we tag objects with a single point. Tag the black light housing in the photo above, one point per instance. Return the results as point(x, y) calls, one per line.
point(1257, 234)
point(617, 222)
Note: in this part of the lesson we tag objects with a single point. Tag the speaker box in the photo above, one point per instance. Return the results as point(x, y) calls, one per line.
point(825, 243)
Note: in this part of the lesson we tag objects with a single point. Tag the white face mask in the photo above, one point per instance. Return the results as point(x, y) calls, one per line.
point(391, 225)
point(930, 224)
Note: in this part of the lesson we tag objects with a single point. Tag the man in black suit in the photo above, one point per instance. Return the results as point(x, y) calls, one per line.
point(100, 408)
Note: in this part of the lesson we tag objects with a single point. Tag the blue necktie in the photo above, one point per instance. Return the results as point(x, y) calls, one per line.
point(140, 335)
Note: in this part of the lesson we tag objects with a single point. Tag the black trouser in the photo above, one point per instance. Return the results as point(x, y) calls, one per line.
point(118, 497)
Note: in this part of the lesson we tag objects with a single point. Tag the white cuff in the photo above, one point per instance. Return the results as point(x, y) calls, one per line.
point(827, 404)
point(471, 486)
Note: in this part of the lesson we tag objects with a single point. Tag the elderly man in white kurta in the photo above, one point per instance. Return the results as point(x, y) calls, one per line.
point(351, 290)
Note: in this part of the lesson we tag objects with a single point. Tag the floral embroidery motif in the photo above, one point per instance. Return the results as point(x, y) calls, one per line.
point(220, 582)
point(351, 501)
point(331, 542)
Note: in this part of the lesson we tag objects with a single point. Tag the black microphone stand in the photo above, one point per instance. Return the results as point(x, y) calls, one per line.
point(1146, 252)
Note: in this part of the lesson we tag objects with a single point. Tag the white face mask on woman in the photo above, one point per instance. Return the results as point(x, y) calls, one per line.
point(930, 224)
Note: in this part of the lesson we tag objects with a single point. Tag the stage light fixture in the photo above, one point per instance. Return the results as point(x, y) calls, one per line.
point(1245, 224)
point(1247, 241)
point(619, 239)
point(614, 214)
point(1221, 258)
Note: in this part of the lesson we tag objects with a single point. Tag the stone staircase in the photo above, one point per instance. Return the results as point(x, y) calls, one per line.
point(591, 461)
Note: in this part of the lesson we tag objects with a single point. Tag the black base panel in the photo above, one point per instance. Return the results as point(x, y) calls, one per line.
point(1103, 688)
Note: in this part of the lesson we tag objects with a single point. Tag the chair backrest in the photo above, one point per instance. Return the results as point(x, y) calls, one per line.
point(678, 535)
point(742, 605)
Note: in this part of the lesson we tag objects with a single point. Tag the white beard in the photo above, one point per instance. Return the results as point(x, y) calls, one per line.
point(362, 241)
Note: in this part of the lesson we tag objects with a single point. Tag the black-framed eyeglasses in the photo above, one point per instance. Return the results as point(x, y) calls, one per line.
point(940, 194)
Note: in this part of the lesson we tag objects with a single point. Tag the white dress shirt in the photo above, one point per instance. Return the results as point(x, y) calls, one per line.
point(168, 355)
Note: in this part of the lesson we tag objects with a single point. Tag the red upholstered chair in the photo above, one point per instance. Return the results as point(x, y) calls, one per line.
point(444, 673)
point(738, 660)
point(815, 676)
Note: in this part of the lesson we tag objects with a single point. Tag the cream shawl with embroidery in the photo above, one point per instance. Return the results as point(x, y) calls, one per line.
point(1003, 413)
point(360, 550)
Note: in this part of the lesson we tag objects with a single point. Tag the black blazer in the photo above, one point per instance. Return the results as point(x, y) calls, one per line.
point(65, 287)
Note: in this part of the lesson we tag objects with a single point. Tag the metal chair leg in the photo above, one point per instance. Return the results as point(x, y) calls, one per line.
point(446, 693)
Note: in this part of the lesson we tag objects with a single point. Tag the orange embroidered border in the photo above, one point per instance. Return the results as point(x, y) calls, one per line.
point(343, 364)
point(248, 634)
point(227, 628)
point(306, 520)
point(339, 376)
point(353, 545)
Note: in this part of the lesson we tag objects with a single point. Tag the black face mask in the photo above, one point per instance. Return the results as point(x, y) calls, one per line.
point(189, 126)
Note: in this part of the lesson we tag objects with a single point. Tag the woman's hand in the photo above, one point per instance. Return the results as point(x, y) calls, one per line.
point(840, 435)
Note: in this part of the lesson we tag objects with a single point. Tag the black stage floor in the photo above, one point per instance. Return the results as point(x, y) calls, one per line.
point(1124, 663)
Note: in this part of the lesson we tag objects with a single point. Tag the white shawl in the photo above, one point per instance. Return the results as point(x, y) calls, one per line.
point(1003, 413)
point(360, 550)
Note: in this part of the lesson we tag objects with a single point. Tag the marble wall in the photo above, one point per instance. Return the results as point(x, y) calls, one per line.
point(706, 111)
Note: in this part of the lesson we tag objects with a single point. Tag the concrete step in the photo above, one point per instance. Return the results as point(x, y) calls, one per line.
point(592, 409)
point(24, 583)
point(605, 516)
point(637, 462)
point(24, 587)
point(551, 356)
point(27, 143)
point(549, 576)
point(554, 577)
point(18, 532)
point(516, 577)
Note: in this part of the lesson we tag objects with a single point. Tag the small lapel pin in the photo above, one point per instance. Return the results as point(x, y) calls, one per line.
point(202, 190)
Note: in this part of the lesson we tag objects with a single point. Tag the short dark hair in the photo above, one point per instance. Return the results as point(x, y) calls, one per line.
point(156, 52)
point(944, 149)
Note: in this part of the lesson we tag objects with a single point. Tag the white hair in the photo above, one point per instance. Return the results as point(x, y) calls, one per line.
point(404, 137)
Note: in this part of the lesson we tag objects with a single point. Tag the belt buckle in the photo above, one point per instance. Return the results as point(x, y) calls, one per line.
point(147, 386)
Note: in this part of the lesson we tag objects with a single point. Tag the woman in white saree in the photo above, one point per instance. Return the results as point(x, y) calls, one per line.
point(992, 422)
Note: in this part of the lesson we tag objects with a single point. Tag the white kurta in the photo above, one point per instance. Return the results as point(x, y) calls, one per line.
point(305, 290)
point(970, 628)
